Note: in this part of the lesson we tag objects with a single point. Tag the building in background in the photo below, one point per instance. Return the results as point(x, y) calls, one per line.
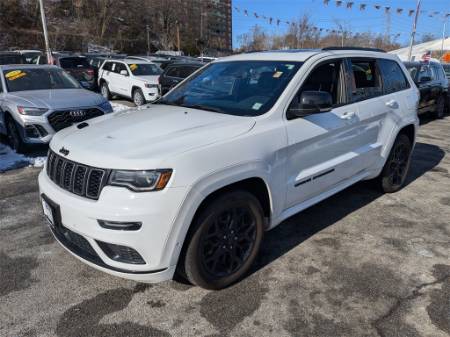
point(208, 23)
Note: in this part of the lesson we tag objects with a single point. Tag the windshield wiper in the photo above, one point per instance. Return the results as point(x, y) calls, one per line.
point(203, 107)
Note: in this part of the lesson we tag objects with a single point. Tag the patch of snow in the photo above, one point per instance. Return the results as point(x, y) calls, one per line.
point(10, 160)
point(119, 107)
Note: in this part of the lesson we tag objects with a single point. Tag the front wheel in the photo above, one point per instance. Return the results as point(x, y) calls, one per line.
point(105, 91)
point(14, 137)
point(138, 97)
point(440, 107)
point(224, 241)
point(394, 173)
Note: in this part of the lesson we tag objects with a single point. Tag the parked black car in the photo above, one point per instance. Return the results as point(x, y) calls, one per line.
point(175, 73)
point(10, 57)
point(79, 68)
point(433, 84)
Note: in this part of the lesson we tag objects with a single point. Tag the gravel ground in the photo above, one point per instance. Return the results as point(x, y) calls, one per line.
point(358, 264)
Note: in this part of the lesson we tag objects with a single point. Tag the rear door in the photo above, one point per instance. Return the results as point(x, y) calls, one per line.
point(325, 149)
point(425, 84)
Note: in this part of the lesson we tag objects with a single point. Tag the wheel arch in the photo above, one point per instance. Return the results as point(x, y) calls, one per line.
point(255, 184)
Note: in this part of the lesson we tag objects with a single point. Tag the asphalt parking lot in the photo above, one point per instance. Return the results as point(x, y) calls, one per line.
point(358, 264)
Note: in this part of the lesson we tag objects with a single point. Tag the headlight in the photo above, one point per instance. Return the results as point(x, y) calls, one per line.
point(141, 181)
point(106, 106)
point(31, 111)
point(148, 85)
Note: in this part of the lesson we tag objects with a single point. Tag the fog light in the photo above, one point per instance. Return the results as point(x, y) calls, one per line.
point(121, 253)
point(31, 131)
point(121, 226)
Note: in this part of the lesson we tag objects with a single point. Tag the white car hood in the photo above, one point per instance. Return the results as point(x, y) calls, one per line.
point(145, 138)
point(152, 79)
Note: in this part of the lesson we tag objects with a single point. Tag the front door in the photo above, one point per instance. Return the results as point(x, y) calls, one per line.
point(323, 147)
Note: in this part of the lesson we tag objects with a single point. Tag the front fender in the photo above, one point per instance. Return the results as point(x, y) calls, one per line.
point(204, 187)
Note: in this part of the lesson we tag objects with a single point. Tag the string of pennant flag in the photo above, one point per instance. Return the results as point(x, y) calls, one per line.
point(341, 3)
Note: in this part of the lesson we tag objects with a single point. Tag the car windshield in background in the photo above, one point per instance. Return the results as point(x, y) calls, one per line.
point(38, 79)
point(243, 88)
point(74, 62)
point(145, 69)
point(11, 59)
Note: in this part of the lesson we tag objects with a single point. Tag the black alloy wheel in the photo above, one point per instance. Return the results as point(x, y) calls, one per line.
point(224, 241)
point(397, 165)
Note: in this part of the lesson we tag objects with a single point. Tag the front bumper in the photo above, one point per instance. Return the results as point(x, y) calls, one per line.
point(155, 210)
point(151, 94)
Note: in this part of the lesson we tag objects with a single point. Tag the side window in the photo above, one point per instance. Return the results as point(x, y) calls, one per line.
point(186, 71)
point(424, 73)
point(328, 77)
point(108, 66)
point(173, 72)
point(366, 81)
point(393, 77)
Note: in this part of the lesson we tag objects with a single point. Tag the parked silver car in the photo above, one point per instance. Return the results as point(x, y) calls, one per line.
point(36, 101)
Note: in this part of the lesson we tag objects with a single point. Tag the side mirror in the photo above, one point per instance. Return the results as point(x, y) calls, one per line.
point(310, 102)
point(424, 79)
point(124, 72)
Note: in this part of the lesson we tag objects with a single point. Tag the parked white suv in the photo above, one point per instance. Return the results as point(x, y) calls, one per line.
point(191, 183)
point(135, 79)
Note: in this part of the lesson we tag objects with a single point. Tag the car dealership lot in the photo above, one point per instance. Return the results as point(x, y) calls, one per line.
point(357, 264)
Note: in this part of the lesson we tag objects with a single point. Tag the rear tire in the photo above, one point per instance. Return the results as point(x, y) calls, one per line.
point(395, 171)
point(224, 241)
point(14, 136)
point(104, 90)
point(440, 108)
point(138, 97)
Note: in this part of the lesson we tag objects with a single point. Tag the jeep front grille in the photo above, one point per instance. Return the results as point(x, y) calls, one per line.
point(79, 179)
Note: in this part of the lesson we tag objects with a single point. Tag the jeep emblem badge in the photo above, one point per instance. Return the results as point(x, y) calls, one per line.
point(64, 151)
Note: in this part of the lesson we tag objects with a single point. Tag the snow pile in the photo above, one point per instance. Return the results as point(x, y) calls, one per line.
point(10, 160)
point(119, 107)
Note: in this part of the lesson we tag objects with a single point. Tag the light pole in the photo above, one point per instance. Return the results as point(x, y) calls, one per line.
point(413, 32)
point(44, 27)
point(148, 39)
point(443, 36)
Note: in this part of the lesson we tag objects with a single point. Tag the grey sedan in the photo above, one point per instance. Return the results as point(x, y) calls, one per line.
point(36, 101)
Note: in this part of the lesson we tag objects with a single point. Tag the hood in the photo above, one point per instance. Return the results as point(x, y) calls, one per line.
point(152, 79)
point(145, 138)
point(56, 99)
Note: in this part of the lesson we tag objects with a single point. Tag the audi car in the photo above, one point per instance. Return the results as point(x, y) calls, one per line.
point(36, 101)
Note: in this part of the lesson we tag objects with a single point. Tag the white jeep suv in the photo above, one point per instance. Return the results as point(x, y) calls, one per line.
point(138, 80)
point(190, 184)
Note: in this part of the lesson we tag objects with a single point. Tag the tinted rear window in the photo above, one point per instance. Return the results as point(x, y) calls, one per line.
point(74, 62)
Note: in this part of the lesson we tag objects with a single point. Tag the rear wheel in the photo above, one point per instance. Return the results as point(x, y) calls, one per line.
point(138, 97)
point(440, 107)
point(14, 136)
point(395, 170)
point(105, 91)
point(224, 241)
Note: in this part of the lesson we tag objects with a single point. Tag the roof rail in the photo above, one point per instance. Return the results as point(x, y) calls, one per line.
point(354, 48)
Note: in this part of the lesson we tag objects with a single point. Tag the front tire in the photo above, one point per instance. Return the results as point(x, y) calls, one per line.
point(138, 97)
point(14, 136)
point(225, 240)
point(395, 171)
point(440, 108)
point(104, 90)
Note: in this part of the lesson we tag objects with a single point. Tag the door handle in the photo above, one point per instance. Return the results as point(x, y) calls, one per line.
point(392, 104)
point(348, 115)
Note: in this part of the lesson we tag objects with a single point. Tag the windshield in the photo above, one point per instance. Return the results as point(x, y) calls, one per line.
point(74, 62)
point(11, 59)
point(145, 69)
point(38, 79)
point(243, 88)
